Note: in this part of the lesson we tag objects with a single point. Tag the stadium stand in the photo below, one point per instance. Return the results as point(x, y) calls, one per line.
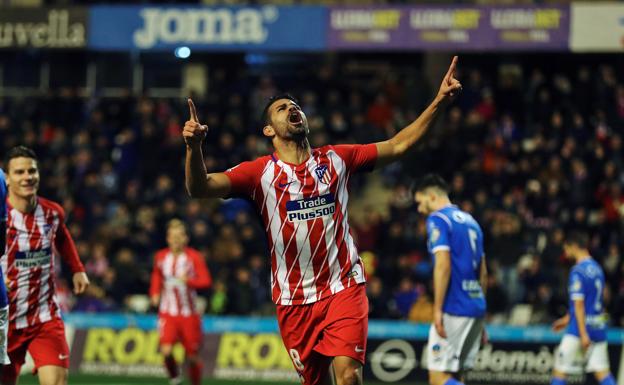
point(531, 151)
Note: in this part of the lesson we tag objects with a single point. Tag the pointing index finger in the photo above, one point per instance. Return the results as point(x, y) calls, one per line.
point(451, 70)
point(193, 111)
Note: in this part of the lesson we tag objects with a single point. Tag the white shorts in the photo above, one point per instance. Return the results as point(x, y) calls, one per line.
point(569, 357)
point(459, 350)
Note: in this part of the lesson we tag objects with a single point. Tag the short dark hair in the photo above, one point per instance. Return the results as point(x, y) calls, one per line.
point(578, 238)
point(19, 152)
point(273, 99)
point(429, 181)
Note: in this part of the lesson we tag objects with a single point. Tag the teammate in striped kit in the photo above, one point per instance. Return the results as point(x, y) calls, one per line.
point(301, 195)
point(178, 271)
point(4, 299)
point(36, 232)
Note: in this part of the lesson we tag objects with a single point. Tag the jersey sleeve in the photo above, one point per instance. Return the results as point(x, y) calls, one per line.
point(243, 178)
point(438, 234)
point(575, 286)
point(156, 279)
point(202, 278)
point(358, 157)
point(65, 245)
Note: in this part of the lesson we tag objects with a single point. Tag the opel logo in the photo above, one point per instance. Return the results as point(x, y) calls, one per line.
point(393, 360)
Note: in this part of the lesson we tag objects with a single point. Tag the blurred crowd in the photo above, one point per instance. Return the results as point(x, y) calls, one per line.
point(529, 152)
point(298, 2)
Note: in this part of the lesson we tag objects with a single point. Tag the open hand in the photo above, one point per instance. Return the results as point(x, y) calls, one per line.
point(193, 132)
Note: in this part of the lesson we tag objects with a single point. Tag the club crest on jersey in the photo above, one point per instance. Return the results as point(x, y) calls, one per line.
point(322, 174)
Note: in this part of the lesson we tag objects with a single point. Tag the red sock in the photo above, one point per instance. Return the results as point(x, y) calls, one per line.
point(171, 366)
point(195, 372)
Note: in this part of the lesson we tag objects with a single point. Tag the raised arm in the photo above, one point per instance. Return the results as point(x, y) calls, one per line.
point(392, 149)
point(200, 184)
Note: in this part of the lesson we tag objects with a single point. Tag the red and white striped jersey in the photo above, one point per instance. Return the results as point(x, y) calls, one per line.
point(175, 279)
point(33, 240)
point(304, 210)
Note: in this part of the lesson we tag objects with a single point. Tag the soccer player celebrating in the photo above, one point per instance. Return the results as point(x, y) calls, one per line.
point(584, 344)
point(301, 194)
point(455, 242)
point(36, 232)
point(178, 272)
point(4, 299)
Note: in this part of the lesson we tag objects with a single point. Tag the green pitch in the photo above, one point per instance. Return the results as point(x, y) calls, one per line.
point(110, 380)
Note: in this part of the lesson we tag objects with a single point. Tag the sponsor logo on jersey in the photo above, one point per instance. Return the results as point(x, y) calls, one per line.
point(311, 208)
point(285, 183)
point(596, 321)
point(473, 287)
point(33, 258)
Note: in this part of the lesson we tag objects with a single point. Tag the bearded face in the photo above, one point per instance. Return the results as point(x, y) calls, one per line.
point(287, 120)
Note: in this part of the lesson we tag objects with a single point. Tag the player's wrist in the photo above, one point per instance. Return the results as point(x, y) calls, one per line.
point(439, 99)
point(194, 145)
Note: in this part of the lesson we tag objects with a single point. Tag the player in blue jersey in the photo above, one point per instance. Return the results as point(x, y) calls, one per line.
point(4, 300)
point(455, 242)
point(584, 344)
